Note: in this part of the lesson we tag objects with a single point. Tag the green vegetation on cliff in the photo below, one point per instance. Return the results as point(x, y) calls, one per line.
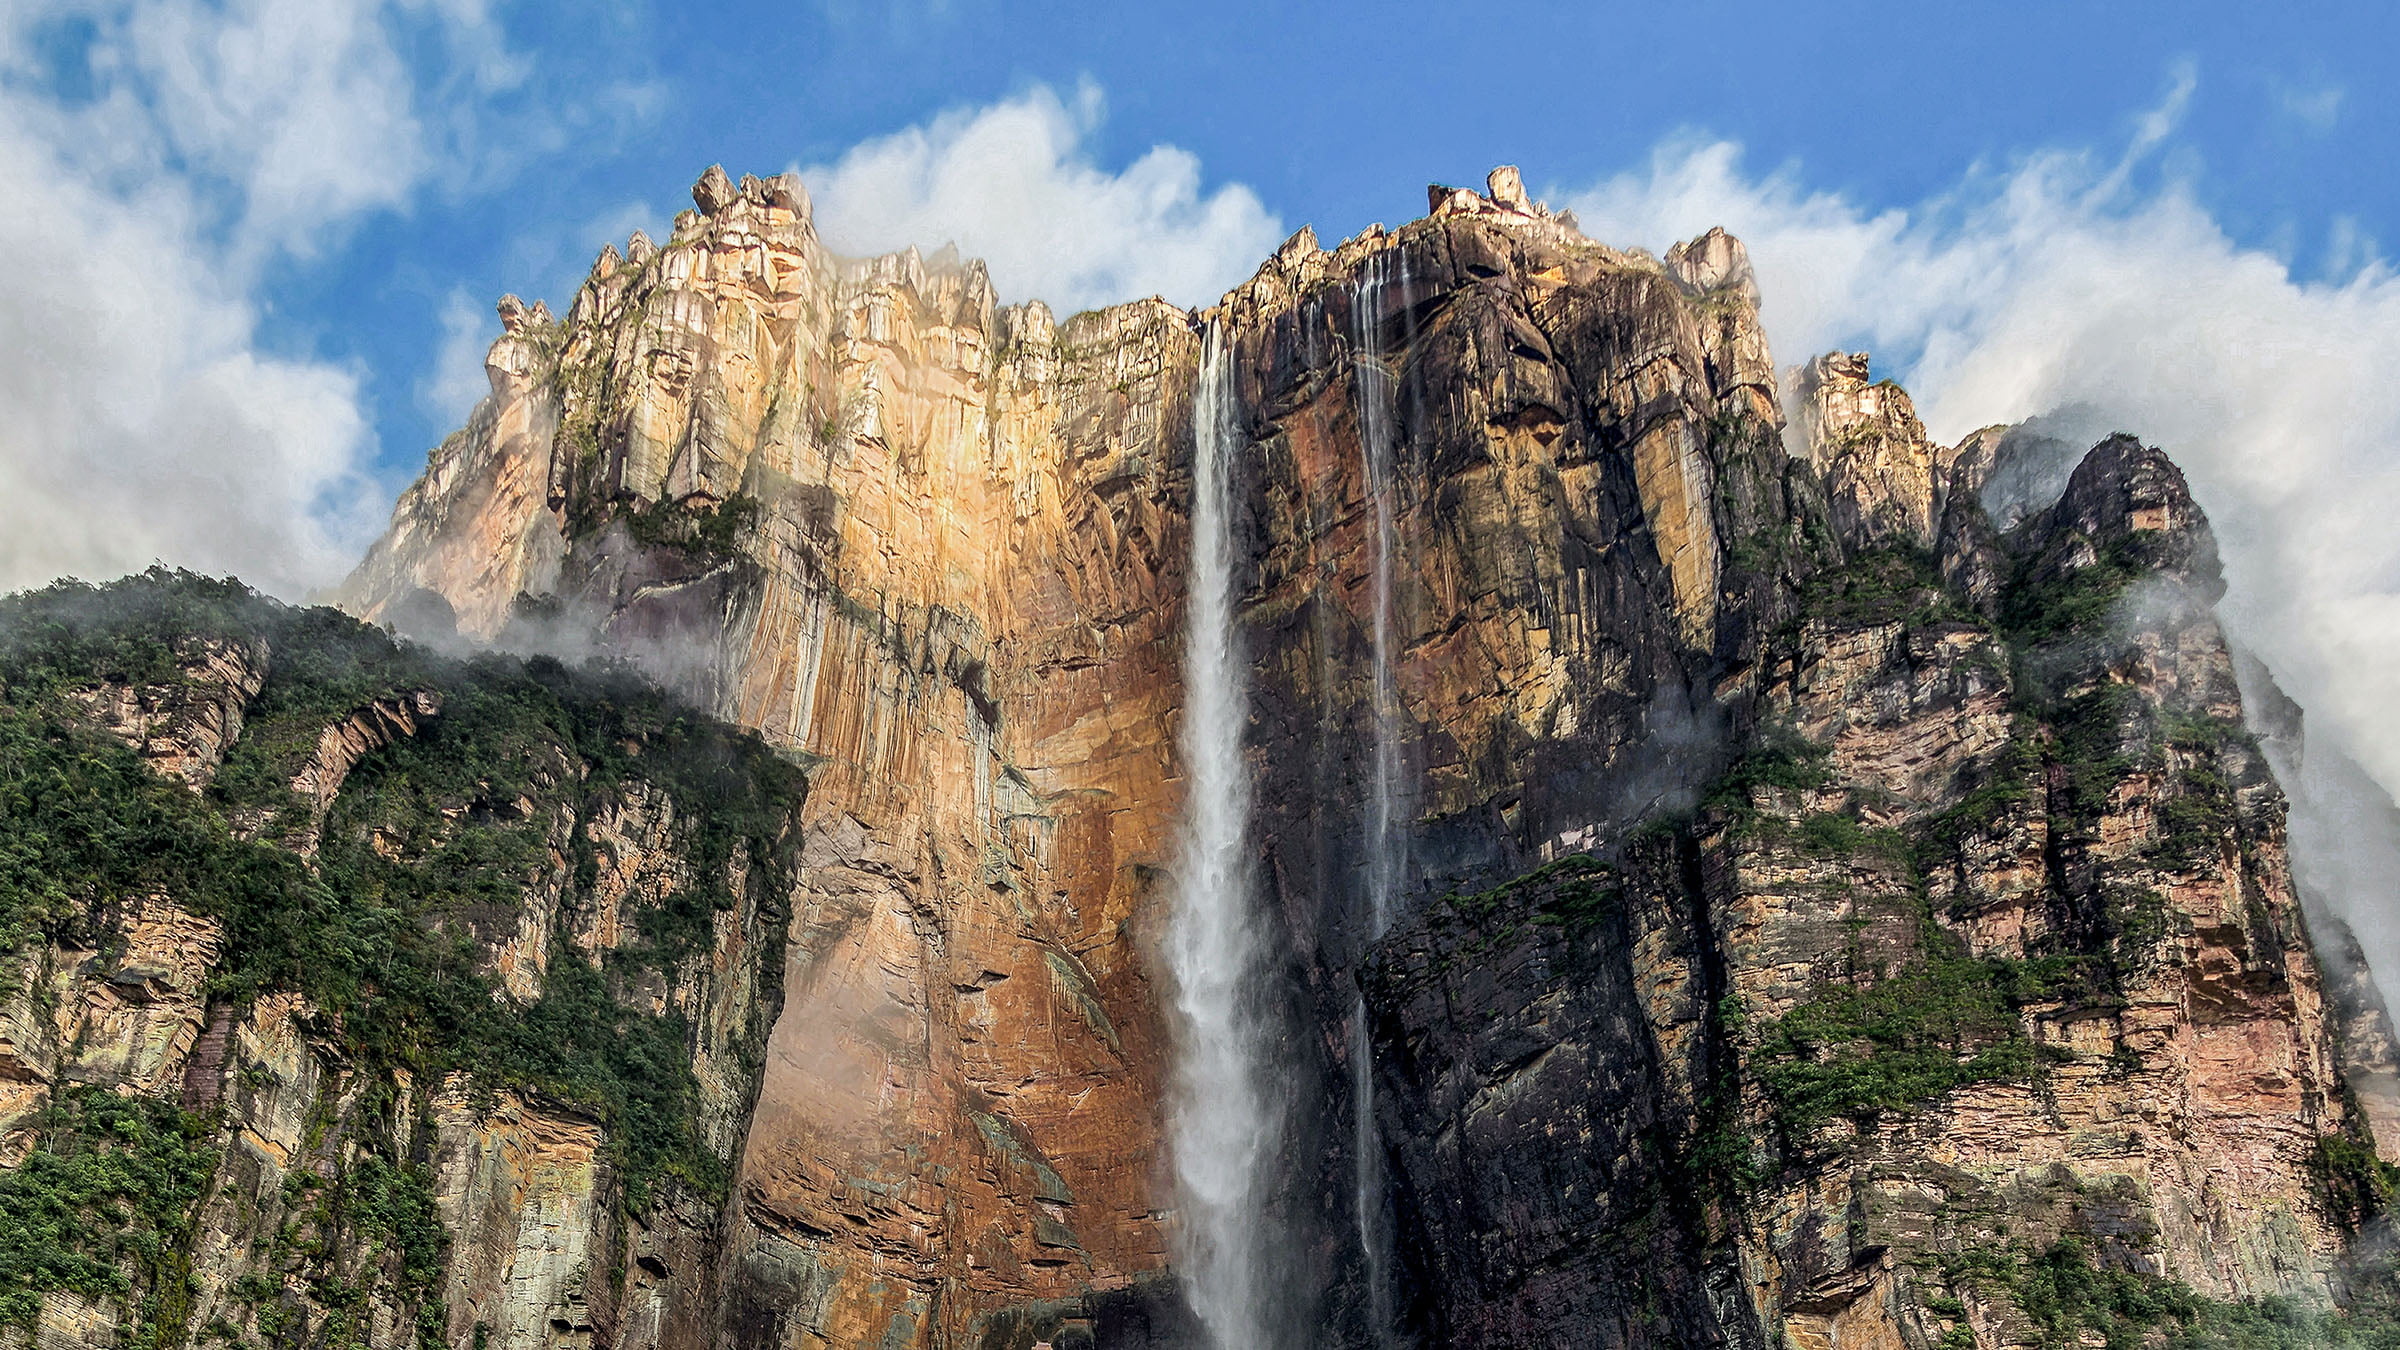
point(1896, 583)
point(1944, 1022)
point(103, 1207)
point(372, 1231)
point(1569, 892)
point(712, 533)
point(434, 847)
point(2046, 599)
point(2074, 1301)
point(2358, 1186)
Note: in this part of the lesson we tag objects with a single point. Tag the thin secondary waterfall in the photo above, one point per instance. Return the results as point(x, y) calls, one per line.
point(1385, 860)
point(1221, 1122)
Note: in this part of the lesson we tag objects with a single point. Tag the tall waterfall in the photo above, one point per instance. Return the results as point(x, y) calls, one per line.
point(1386, 860)
point(1386, 849)
point(1221, 1124)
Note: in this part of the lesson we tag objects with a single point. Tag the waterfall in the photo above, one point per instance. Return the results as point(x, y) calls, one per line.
point(1220, 1124)
point(1385, 857)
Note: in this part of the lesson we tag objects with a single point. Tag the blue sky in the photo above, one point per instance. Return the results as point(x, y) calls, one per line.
point(1338, 115)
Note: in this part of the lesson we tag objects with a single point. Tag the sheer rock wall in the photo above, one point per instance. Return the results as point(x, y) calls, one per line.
point(933, 546)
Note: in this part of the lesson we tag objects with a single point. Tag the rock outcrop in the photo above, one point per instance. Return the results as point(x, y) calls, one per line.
point(182, 724)
point(1883, 477)
point(1826, 913)
point(921, 540)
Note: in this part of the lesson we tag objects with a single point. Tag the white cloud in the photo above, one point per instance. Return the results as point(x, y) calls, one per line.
point(137, 420)
point(141, 418)
point(457, 382)
point(2057, 283)
point(2316, 106)
point(1014, 184)
point(303, 108)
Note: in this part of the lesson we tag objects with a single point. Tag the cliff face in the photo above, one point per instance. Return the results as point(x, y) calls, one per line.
point(1821, 914)
point(355, 996)
point(922, 542)
point(1985, 955)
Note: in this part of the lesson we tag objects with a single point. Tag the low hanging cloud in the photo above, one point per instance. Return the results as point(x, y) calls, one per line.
point(2059, 285)
point(156, 158)
point(1014, 183)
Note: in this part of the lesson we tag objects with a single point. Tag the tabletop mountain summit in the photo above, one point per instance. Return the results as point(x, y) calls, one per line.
point(1442, 800)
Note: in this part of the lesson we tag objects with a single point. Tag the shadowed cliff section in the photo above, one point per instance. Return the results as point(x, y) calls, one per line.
point(1978, 977)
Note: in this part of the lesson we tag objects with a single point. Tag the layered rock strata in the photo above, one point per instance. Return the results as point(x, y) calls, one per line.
point(1920, 911)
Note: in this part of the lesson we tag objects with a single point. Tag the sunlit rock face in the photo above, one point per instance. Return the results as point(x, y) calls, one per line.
point(1725, 731)
point(927, 544)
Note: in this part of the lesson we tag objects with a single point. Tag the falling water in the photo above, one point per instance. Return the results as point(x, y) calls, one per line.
point(1221, 1123)
point(1384, 859)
